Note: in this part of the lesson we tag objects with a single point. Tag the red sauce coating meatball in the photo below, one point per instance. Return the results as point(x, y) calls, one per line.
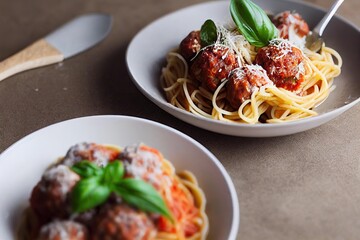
point(98, 154)
point(242, 83)
point(212, 65)
point(283, 63)
point(283, 21)
point(60, 230)
point(50, 198)
point(122, 222)
point(190, 45)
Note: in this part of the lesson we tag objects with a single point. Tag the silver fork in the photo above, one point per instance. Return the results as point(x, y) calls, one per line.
point(314, 40)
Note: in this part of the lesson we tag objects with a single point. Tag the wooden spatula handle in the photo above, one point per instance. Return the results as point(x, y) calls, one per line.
point(38, 54)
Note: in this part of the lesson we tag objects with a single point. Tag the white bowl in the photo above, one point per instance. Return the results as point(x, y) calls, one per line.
point(23, 163)
point(146, 56)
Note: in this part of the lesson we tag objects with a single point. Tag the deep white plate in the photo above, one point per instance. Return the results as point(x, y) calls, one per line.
point(23, 163)
point(146, 56)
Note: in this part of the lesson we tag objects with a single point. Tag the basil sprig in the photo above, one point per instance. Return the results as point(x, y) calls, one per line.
point(208, 33)
point(253, 22)
point(98, 183)
point(132, 191)
point(89, 193)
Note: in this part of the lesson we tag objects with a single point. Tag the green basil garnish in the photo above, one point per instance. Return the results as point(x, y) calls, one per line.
point(98, 183)
point(113, 173)
point(208, 33)
point(89, 193)
point(86, 169)
point(253, 22)
point(143, 195)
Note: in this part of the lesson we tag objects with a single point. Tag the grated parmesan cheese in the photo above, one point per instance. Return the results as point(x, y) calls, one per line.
point(295, 38)
point(143, 165)
point(62, 230)
point(283, 45)
point(61, 175)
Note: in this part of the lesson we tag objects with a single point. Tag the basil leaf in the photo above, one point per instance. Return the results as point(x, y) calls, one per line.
point(88, 193)
point(113, 172)
point(143, 196)
point(253, 22)
point(86, 169)
point(208, 33)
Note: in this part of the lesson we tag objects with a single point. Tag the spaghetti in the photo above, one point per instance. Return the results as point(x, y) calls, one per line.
point(180, 192)
point(277, 101)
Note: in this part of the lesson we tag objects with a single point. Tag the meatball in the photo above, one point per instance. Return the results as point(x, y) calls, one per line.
point(190, 45)
point(212, 65)
point(283, 63)
point(96, 153)
point(86, 217)
point(143, 162)
point(121, 222)
point(286, 20)
point(61, 230)
point(242, 83)
point(50, 198)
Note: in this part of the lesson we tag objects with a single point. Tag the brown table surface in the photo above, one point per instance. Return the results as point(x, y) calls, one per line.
point(303, 186)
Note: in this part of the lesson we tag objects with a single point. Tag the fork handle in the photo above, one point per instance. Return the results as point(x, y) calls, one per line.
point(320, 27)
point(38, 54)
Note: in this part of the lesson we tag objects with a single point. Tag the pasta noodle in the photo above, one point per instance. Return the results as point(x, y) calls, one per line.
point(187, 203)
